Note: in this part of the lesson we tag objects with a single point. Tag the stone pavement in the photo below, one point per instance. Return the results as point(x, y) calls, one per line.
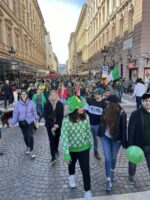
point(24, 179)
point(130, 196)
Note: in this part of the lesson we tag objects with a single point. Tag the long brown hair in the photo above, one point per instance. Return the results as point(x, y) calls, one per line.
point(109, 119)
point(74, 116)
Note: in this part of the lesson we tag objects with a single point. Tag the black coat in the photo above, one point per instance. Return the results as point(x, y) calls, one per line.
point(7, 89)
point(120, 129)
point(53, 116)
point(136, 128)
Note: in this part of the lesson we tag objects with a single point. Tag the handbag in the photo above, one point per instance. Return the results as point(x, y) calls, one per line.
point(24, 123)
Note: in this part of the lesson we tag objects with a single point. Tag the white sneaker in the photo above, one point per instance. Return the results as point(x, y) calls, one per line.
point(72, 182)
point(32, 154)
point(28, 151)
point(88, 195)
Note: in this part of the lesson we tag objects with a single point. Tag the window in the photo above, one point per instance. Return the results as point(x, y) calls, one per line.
point(121, 29)
point(1, 35)
point(9, 36)
point(108, 3)
point(113, 33)
point(23, 14)
point(17, 42)
point(100, 20)
point(103, 21)
point(131, 20)
point(15, 8)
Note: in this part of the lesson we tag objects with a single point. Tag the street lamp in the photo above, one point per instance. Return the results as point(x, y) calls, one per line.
point(12, 51)
point(104, 52)
point(14, 64)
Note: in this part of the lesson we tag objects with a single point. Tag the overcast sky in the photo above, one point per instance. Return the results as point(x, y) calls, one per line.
point(60, 18)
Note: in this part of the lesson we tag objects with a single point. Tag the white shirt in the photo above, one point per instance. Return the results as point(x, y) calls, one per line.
point(107, 133)
point(139, 90)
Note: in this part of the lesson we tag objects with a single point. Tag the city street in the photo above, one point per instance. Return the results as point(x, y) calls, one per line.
point(24, 179)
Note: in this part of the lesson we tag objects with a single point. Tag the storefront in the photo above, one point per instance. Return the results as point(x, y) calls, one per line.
point(133, 72)
point(17, 71)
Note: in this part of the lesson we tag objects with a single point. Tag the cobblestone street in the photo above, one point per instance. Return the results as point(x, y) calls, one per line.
point(24, 179)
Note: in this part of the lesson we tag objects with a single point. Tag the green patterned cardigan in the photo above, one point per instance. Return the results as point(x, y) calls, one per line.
point(75, 137)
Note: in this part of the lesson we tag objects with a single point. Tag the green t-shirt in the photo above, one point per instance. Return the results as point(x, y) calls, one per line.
point(146, 134)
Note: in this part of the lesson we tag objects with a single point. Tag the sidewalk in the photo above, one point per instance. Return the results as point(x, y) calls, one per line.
point(130, 196)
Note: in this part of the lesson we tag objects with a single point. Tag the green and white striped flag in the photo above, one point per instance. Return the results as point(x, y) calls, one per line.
point(113, 75)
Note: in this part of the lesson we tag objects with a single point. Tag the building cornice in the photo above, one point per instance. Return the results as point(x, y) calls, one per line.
point(81, 17)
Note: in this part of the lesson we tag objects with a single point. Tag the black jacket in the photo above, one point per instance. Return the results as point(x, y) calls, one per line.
point(136, 128)
point(31, 93)
point(53, 117)
point(7, 89)
point(120, 129)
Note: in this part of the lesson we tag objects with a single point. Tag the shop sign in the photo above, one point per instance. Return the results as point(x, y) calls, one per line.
point(128, 44)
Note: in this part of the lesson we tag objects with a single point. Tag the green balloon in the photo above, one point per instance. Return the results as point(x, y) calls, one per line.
point(135, 154)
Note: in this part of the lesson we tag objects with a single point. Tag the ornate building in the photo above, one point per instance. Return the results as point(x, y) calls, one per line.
point(72, 54)
point(78, 44)
point(120, 29)
point(22, 40)
point(51, 60)
point(117, 33)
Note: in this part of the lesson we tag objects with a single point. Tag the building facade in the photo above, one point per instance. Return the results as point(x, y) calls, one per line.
point(51, 62)
point(72, 54)
point(22, 40)
point(117, 33)
point(120, 29)
point(78, 51)
point(81, 41)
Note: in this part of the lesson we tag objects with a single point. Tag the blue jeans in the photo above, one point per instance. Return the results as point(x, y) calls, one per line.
point(94, 129)
point(138, 102)
point(110, 148)
point(40, 112)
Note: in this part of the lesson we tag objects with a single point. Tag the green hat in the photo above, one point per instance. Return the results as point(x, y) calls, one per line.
point(135, 154)
point(98, 91)
point(74, 103)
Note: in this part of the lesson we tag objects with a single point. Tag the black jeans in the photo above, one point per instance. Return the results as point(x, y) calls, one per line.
point(132, 167)
point(9, 99)
point(84, 162)
point(54, 141)
point(28, 135)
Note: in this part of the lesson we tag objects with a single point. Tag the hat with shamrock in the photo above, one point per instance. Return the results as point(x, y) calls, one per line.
point(74, 103)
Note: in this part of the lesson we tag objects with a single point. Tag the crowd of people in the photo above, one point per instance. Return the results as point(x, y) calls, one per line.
point(78, 111)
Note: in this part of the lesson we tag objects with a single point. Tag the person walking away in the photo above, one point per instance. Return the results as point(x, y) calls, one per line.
point(95, 107)
point(53, 113)
point(113, 135)
point(76, 140)
point(139, 90)
point(25, 113)
point(39, 100)
point(62, 93)
point(32, 91)
point(47, 90)
point(8, 94)
point(139, 133)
